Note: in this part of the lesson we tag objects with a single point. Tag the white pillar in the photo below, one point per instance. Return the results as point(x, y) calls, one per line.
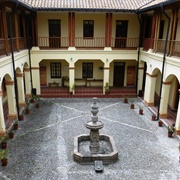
point(177, 125)
point(150, 89)
point(164, 99)
point(20, 85)
point(27, 81)
point(2, 124)
point(12, 114)
point(106, 77)
point(71, 79)
point(140, 78)
point(36, 79)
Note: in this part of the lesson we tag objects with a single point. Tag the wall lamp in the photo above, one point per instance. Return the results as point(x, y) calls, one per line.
point(106, 60)
point(71, 59)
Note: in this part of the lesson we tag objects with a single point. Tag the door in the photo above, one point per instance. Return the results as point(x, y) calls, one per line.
point(119, 68)
point(54, 33)
point(121, 34)
point(43, 76)
point(131, 75)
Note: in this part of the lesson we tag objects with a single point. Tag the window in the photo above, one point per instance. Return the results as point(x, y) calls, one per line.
point(55, 70)
point(88, 29)
point(148, 27)
point(87, 70)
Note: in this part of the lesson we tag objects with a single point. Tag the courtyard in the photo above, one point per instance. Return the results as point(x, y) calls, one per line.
point(42, 148)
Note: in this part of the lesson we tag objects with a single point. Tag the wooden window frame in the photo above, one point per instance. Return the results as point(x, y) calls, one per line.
point(87, 70)
point(88, 29)
point(55, 68)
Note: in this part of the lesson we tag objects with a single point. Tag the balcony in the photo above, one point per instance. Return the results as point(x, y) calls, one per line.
point(17, 44)
point(87, 43)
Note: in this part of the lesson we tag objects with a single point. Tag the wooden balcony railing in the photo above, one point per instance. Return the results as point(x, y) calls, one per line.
point(175, 48)
point(2, 47)
point(80, 42)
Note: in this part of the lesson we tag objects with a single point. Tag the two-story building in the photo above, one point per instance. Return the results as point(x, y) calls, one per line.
point(72, 44)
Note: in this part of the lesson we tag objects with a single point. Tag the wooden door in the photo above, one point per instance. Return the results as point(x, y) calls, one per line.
point(131, 75)
point(118, 79)
point(43, 81)
point(121, 34)
point(54, 33)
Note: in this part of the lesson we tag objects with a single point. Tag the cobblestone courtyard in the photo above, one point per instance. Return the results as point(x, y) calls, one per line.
point(42, 148)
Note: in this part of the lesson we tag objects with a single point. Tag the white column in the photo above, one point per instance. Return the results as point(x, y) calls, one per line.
point(106, 77)
point(20, 85)
point(27, 81)
point(12, 114)
point(36, 79)
point(177, 125)
point(140, 78)
point(150, 89)
point(2, 124)
point(164, 99)
point(71, 79)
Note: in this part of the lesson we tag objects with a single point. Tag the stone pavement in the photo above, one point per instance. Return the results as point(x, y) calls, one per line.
point(42, 148)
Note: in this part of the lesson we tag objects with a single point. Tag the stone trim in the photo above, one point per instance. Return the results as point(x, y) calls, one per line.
point(22, 104)
point(141, 68)
point(19, 75)
point(177, 132)
point(167, 83)
point(151, 75)
point(9, 83)
point(163, 116)
point(106, 68)
point(2, 133)
point(26, 69)
point(1, 93)
point(12, 116)
point(35, 68)
point(149, 104)
point(71, 68)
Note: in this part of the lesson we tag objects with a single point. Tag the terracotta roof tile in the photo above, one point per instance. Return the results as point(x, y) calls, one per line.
point(120, 5)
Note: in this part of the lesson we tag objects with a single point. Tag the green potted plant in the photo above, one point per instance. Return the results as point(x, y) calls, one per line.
point(160, 123)
point(141, 110)
point(27, 106)
point(126, 99)
point(37, 104)
point(4, 141)
point(153, 117)
point(15, 126)
point(132, 103)
point(170, 131)
point(4, 156)
point(106, 88)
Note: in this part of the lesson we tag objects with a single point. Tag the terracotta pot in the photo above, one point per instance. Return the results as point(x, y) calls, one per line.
point(170, 134)
point(21, 117)
point(27, 111)
point(153, 117)
point(141, 111)
point(132, 106)
point(160, 123)
point(37, 105)
point(4, 162)
point(125, 100)
point(15, 126)
point(11, 135)
point(32, 101)
point(4, 145)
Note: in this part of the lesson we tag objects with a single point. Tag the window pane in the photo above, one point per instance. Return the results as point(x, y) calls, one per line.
point(55, 70)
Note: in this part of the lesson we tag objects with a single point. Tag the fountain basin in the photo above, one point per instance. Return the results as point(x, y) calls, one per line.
point(108, 155)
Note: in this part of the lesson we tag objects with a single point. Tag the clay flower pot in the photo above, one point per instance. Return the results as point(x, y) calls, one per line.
point(125, 100)
point(132, 106)
point(15, 127)
point(153, 117)
point(170, 134)
point(4, 145)
point(141, 111)
point(21, 117)
point(160, 123)
point(11, 135)
point(4, 162)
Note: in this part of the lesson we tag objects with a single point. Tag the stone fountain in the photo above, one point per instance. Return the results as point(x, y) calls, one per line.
point(95, 146)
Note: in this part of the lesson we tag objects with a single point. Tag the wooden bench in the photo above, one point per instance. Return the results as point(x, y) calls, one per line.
point(53, 84)
point(89, 81)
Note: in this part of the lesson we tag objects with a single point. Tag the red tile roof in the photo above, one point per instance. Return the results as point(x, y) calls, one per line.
point(99, 5)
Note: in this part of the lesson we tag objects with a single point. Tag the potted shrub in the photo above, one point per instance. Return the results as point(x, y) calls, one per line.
point(4, 142)
point(27, 107)
point(15, 126)
point(4, 156)
point(160, 123)
point(132, 103)
point(106, 88)
point(11, 134)
point(37, 104)
point(141, 110)
point(32, 98)
point(21, 117)
point(153, 117)
point(125, 99)
point(170, 131)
